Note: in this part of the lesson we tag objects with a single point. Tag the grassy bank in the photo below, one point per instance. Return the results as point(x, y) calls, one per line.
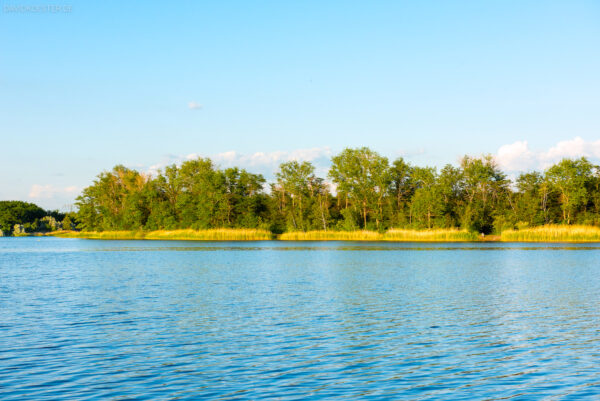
point(330, 236)
point(449, 235)
point(553, 233)
point(441, 235)
point(223, 234)
point(549, 233)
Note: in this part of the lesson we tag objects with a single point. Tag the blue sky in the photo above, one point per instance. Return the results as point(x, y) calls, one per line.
point(257, 83)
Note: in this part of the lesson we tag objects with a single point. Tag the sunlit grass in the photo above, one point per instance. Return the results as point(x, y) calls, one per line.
point(450, 235)
point(433, 235)
point(554, 233)
point(331, 236)
point(99, 234)
point(549, 233)
point(223, 234)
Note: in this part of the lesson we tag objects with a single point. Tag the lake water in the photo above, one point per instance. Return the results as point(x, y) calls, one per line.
point(83, 319)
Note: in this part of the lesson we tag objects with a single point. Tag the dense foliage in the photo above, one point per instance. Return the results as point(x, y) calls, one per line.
point(17, 217)
point(366, 191)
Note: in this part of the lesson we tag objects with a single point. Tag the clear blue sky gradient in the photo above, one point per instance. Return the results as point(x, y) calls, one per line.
point(110, 81)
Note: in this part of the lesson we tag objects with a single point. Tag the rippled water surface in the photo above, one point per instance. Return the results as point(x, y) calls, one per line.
point(83, 319)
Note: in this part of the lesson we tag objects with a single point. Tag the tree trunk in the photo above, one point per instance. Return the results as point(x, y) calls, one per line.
point(293, 215)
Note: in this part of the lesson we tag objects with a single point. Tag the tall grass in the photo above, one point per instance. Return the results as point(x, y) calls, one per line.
point(99, 234)
point(222, 234)
point(548, 233)
point(450, 235)
point(331, 236)
point(433, 235)
point(553, 233)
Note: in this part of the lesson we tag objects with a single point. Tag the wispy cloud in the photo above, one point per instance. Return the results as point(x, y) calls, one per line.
point(265, 163)
point(408, 153)
point(518, 156)
point(194, 106)
point(165, 161)
point(48, 191)
point(272, 159)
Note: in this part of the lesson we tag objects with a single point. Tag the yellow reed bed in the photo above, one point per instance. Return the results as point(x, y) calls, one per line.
point(434, 235)
point(331, 236)
point(553, 233)
point(224, 234)
point(99, 234)
point(220, 234)
point(449, 235)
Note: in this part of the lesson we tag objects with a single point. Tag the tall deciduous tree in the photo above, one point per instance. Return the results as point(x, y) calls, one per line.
point(362, 176)
point(293, 186)
point(484, 186)
point(570, 178)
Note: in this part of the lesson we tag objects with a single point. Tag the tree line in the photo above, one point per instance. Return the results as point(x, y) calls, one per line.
point(18, 217)
point(362, 190)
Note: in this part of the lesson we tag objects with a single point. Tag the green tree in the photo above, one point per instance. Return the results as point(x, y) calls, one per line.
point(201, 194)
point(426, 204)
point(451, 191)
point(402, 189)
point(362, 177)
point(321, 203)
point(244, 202)
point(293, 186)
point(113, 201)
point(67, 224)
point(569, 178)
point(485, 189)
point(18, 212)
point(531, 198)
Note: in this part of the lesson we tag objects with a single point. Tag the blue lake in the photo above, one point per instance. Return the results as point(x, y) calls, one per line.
point(87, 319)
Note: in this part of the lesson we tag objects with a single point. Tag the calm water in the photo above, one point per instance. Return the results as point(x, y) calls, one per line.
point(82, 319)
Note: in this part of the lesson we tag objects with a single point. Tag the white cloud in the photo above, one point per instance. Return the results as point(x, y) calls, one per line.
point(48, 191)
point(576, 147)
point(194, 106)
point(265, 163)
point(408, 153)
point(519, 157)
point(271, 159)
point(515, 156)
point(167, 160)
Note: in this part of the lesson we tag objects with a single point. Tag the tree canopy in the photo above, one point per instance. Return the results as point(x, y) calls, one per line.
point(365, 191)
point(30, 216)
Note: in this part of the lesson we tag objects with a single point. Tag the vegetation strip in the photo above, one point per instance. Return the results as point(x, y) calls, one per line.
point(553, 233)
point(197, 235)
point(449, 235)
point(262, 235)
point(364, 197)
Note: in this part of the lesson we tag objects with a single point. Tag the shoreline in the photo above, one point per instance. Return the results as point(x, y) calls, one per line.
point(534, 235)
point(450, 235)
